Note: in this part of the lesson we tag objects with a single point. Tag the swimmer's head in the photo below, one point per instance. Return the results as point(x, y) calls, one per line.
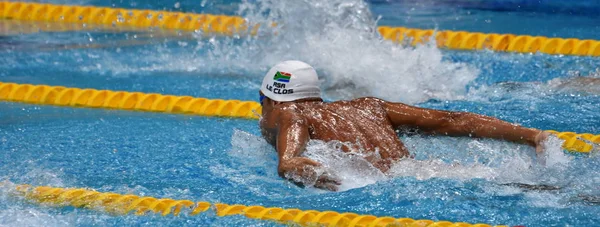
point(290, 81)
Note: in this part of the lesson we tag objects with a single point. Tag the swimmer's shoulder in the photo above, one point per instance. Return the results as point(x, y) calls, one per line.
point(368, 102)
point(297, 109)
point(359, 101)
point(287, 107)
point(289, 111)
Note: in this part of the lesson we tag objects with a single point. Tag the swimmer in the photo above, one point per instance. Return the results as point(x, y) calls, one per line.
point(577, 83)
point(574, 83)
point(293, 113)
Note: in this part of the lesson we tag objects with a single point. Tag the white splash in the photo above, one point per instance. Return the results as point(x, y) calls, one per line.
point(13, 213)
point(254, 152)
point(338, 37)
point(19, 216)
point(351, 169)
point(554, 155)
point(492, 160)
point(426, 169)
point(497, 161)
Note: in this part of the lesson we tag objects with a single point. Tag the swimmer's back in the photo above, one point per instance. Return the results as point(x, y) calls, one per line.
point(361, 122)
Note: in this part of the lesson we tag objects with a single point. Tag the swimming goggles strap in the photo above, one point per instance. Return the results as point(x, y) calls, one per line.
point(261, 98)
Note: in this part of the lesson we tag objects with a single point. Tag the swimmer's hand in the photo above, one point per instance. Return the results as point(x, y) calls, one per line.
point(539, 146)
point(539, 142)
point(302, 171)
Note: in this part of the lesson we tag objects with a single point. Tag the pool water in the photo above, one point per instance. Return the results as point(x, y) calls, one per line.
point(226, 160)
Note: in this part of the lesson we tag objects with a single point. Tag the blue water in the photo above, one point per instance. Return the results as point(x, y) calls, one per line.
point(225, 160)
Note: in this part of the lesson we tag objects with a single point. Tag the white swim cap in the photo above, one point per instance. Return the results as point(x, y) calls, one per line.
point(291, 80)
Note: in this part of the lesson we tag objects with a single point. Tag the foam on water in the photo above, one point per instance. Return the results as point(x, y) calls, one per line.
point(338, 37)
point(256, 163)
point(466, 159)
point(350, 168)
point(14, 213)
point(34, 217)
point(254, 152)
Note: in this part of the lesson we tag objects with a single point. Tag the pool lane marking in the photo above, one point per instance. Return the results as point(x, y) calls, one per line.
point(153, 102)
point(123, 100)
point(235, 25)
point(204, 23)
point(463, 40)
point(118, 204)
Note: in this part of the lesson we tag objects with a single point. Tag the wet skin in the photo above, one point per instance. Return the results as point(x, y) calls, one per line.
point(367, 126)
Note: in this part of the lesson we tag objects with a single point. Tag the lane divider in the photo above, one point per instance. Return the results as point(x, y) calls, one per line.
point(206, 23)
point(583, 142)
point(229, 25)
point(16, 27)
point(462, 40)
point(125, 204)
point(137, 101)
point(75, 97)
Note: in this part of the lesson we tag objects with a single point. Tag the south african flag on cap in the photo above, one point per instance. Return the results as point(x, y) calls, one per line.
point(282, 77)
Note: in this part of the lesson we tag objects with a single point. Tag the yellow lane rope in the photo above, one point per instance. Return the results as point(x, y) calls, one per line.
point(92, 98)
point(206, 23)
point(75, 97)
point(124, 204)
point(16, 27)
point(228, 25)
point(461, 40)
point(583, 142)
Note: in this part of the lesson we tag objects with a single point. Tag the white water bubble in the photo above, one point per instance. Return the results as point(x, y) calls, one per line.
point(19, 216)
point(460, 159)
point(254, 152)
point(554, 155)
point(351, 169)
point(340, 39)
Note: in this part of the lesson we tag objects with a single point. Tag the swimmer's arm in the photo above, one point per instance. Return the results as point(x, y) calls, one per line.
point(461, 124)
point(291, 142)
point(292, 137)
